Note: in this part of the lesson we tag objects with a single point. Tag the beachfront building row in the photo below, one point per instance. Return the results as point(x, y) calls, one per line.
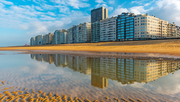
point(76, 34)
point(124, 27)
point(42, 39)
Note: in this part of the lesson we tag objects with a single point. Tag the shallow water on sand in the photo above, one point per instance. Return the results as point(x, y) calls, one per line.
point(93, 78)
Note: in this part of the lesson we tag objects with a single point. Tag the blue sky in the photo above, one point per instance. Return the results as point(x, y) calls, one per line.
point(22, 19)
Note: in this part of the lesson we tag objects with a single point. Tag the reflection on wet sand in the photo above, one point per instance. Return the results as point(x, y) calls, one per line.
point(125, 71)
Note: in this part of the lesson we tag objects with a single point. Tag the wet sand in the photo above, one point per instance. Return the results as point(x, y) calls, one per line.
point(19, 94)
point(170, 47)
point(16, 94)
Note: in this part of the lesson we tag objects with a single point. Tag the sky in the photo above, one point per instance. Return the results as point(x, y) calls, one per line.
point(22, 19)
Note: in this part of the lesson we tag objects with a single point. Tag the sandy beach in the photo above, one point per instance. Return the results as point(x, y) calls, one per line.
point(170, 47)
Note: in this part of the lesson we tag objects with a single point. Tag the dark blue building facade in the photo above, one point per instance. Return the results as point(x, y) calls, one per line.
point(125, 27)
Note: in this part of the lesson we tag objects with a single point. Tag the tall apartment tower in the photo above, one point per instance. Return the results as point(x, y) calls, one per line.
point(125, 27)
point(97, 15)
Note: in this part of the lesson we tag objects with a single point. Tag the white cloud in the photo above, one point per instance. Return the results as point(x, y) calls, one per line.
point(118, 11)
point(147, 4)
point(99, 1)
point(104, 5)
point(35, 1)
point(64, 9)
point(167, 10)
point(73, 3)
point(58, 1)
point(134, 9)
point(138, 10)
point(36, 22)
point(39, 1)
point(38, 8)
point(168, 84)
point(51, 13)
point(47, 7)
point(41, 19)
point(111, 1)
point(44, 17)
point(137, 2)
point(6, 2)
point(77, 4)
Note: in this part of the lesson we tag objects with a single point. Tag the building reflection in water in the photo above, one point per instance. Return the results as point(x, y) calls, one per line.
point(126, 71)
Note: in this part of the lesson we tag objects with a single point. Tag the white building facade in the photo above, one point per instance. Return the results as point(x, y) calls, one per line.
point(108, 29)
point(39, 40)
point(56, 36)
point(63, 37)
point(149, 27)
point(32, 41)
point(84, 32)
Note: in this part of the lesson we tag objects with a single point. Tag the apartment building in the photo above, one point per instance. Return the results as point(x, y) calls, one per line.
point(97, 15)
point(75, 33)
point(149, 27)
point(63, 37)
point(108, 29)
point(41, 39)
point(32, 41)
point(79, 33)
point(172, 30)
point(125, 27)
point(95, 31)
point(84, 32)
point(178, 31)
point(57, 36)
point(60, 36)
point(38, 40)
point(47, 39)
point(72, 34)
